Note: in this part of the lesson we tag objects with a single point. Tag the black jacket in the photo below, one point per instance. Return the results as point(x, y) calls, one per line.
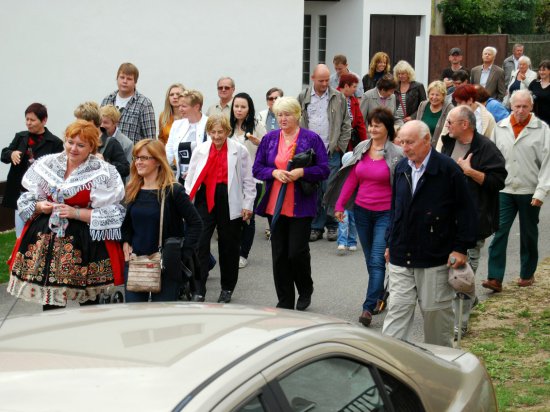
point(488, 159)
point(177, 210)
point(414, 96)
point(50, 144)
point(113, 153)
point(438, 219)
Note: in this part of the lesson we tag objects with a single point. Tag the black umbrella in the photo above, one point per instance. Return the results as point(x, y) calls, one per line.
point(303, 159)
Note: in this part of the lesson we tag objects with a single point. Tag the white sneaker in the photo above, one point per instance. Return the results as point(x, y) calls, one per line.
point(341, 249)
point(352, 248)
point(242, 262)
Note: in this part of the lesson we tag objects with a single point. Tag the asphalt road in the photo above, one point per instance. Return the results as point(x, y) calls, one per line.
point(339, 281)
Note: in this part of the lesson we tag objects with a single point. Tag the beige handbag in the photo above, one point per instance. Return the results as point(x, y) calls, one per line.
point(144, 272)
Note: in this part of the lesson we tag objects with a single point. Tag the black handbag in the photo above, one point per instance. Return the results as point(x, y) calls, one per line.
point(305, 159)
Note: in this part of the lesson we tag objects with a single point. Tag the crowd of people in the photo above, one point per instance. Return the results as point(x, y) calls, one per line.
point(422, 176)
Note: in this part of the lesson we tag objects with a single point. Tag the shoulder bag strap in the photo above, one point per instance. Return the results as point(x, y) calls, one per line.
point(161, 218)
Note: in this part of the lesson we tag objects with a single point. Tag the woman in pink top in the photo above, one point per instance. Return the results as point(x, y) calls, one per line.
point(365, 183)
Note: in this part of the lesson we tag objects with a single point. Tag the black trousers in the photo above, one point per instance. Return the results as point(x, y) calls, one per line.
point(249, 228)
point(229, 239)
point(291, 259)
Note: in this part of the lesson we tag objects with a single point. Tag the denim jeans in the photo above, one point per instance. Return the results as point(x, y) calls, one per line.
point(321, 219)
point(347, 233)
point(371, 228)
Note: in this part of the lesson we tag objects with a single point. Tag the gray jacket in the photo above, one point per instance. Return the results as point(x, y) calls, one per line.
point(338, 118)
point(371, 100)
point(392, 154)
point(508, 66)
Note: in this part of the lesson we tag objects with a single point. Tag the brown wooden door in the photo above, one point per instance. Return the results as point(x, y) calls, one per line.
point(395, 35)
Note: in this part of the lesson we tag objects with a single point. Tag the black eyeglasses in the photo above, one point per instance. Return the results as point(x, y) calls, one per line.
point(224, 88)
point(272, 99)
point(142, 158)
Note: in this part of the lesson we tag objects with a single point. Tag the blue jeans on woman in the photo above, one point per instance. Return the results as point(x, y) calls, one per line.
point(347, 233)
point(371, 228)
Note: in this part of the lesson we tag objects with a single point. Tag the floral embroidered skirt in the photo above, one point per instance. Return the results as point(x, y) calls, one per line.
point(52, 270)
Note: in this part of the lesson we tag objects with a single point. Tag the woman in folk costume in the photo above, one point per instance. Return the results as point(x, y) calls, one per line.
point(69, 248)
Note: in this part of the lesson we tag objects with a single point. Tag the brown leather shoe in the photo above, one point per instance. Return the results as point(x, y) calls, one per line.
point(366, 318)
point(493, 284)
point(526, 282)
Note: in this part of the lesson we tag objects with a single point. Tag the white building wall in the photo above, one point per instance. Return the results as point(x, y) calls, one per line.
point(344, 31)
point(64, 52)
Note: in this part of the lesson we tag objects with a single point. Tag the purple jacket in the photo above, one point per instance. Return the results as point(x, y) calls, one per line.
point(264, 165)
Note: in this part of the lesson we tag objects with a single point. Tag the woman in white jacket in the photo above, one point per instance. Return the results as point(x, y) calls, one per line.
point(187, 133)
point(219, 180)
point(520, 79)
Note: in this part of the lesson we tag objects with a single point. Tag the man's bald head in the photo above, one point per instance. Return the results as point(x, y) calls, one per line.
point(320, 77)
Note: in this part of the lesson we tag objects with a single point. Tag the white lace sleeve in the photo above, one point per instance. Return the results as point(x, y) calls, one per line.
point(107, 212)
point(34, 184)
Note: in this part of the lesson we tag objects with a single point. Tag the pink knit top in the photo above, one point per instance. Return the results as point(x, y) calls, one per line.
point(371, 178)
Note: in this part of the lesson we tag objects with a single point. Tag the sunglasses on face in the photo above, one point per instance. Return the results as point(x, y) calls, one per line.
point(220, 88)
point(272, 99)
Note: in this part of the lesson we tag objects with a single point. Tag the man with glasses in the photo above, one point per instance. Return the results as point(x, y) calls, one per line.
point(484, 167)
point(137, 119)
point(226, 88)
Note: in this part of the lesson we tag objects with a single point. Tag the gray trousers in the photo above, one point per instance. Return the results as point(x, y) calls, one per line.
point(473, 258)
point(430, 287)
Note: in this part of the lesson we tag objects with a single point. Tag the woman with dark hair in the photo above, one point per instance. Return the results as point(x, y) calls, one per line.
point(381, 96)
point(541, 92)
point(24, 149)
point(69, 248)
point(151, 178)
point(247, 130)
point(379, 66)
point(347, 86)
point(496, 108)
point(364, 183)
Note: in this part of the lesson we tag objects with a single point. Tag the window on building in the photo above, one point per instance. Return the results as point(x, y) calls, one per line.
point(322, 39)
point(306, 62)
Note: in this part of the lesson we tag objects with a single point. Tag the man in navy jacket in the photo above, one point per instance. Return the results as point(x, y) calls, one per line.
point(433, 221)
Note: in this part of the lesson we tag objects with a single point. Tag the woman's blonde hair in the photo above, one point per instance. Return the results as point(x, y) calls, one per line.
point(168, 109)
point(439, 86)
point(378, 57)
point(165, 177)
point(403, 66)
point(288, 104)
point(86, 131)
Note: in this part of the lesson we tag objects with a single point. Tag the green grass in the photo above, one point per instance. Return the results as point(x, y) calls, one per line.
point(511, 334)
point(7, 239)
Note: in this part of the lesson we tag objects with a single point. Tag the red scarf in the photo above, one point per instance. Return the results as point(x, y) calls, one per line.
point(214, 171)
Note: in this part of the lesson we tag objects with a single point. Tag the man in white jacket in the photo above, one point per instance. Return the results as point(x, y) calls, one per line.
point(524, 141)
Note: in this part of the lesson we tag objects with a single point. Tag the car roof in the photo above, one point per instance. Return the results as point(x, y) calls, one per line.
point(167, 349)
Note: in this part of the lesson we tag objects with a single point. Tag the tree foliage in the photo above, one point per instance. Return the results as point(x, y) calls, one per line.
point(490, 16)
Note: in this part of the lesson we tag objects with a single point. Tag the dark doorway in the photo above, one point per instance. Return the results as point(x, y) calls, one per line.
point(395, 35)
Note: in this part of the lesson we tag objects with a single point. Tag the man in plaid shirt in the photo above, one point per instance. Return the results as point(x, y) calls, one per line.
point(137, 120)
